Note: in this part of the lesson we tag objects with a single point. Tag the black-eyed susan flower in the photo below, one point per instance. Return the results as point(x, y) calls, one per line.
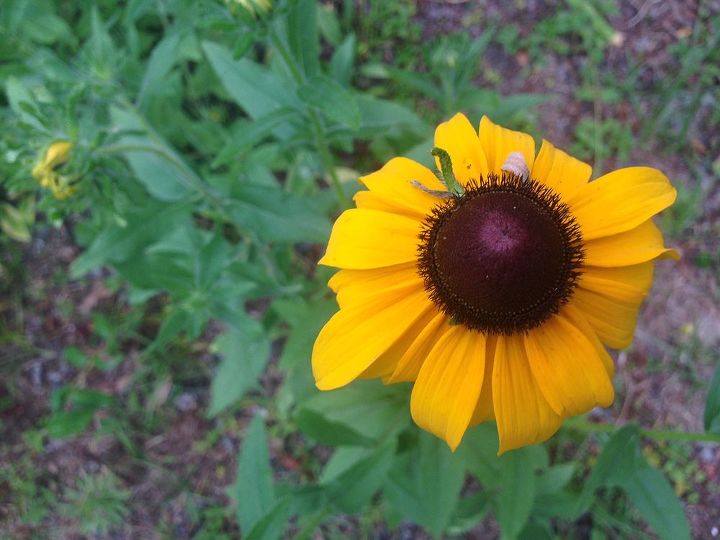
point(494, 289)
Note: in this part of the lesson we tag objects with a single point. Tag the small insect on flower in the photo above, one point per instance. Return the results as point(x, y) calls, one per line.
point(46, 173)
point(495, 287)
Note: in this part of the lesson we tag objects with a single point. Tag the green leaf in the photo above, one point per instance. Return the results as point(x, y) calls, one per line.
point(517, 491)
point(277, 216)
point(334, 101)
point(480, 446)
point(554, 478)
point(421, 82)
point(379, 114)
point(329, 24)
point(22, 102)
point(342, 459)
point(272, 524)
point(425, 484)
point(253, 489)
point(305, 318)
point(302, 32)
point(251, 133)
point(156, 165)
point(324, 431)
point(81, 406)
point(618, 460)
point(354, 488)
point(469, 512)
point(48, 28)
point(145, 226)
point(169, 272)
point(343, 60)
point(370, 408)
point(211, 260)
point(711, 418)
point(245, 350)
point(162, 59)
point(653, 496)
point(256, 89)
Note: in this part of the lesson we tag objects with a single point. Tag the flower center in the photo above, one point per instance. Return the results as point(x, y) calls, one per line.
point(503, 256)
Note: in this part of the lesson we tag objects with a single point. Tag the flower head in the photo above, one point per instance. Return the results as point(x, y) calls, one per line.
point(46, 173)
point(494, 288)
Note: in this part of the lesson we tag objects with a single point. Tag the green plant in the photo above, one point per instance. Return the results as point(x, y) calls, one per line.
point(98, 502)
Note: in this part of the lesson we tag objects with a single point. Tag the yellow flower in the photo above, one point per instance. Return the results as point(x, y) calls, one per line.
point(55, 155)
point(497, 299)
point(46, 174)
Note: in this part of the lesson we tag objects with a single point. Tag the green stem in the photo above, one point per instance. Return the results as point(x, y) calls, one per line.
point(586, 426)
point(327, 160)
point(320, 141)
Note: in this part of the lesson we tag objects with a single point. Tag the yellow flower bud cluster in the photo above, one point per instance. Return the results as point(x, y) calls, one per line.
point(46, 174)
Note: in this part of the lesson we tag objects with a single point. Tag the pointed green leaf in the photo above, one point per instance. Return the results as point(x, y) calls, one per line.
point(253, 489)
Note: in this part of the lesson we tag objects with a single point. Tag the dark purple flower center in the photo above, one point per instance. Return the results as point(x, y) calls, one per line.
point(503, 256)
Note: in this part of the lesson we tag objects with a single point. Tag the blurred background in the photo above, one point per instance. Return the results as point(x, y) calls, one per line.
point(158, 290)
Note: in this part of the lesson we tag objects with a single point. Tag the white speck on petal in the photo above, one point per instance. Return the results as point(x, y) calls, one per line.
point(515, 163)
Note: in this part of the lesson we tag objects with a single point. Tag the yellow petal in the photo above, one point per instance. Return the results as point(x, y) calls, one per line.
point(575, 316)
point(409, 365)
point(643, 243)
point(371, 239)
point(393, 185)
point(387, 363)
point(459, 139)
point(57, 154)
point(373, 201)
point(358, 286)
point(356, 336)
point(449, 383)
point(484, 408)
point(523, 415)
point(620, 201)
point(498, 143)
point(630, 283)
point(567, 368)
point(613, 319)
point(560, 171)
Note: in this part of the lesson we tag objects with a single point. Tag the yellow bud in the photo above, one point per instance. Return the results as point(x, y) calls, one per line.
point(57, 154)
